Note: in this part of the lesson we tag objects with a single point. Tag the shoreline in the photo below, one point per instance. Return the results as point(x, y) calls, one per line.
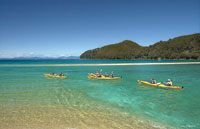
point(113, 64)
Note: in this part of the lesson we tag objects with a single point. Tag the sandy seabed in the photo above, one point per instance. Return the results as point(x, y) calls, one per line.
point(61, 117)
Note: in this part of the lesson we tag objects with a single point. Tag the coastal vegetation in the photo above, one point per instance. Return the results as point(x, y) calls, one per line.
point(183, 47)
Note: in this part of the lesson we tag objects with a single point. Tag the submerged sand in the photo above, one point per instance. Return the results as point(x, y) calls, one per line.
point(111, 64)
point(62, 113)
point(61, 117)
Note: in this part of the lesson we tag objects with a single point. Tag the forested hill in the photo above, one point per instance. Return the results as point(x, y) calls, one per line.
point(183, 47)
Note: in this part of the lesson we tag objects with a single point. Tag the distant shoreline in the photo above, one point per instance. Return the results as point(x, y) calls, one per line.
point(111, 64)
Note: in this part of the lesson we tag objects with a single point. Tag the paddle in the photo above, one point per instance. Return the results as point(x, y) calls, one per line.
point(100, 70)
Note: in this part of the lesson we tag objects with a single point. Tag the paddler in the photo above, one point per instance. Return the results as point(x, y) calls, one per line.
point(97, 74)
point(169, 82)
point(111, 75)
point(153, 81)
point(61, 74)
point(106, 74)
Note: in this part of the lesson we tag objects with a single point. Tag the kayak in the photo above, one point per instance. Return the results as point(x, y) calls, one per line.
point(93, 76)
point(160, 85)
point(105, 78)
point(54, 76)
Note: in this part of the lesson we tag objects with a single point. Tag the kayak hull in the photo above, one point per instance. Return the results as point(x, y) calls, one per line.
point(159, 85)
point(54, 76)
point(93, 76)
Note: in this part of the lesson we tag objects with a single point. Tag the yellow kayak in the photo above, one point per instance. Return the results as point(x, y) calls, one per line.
point(54, 76)
point(160, 85)
point(93, 76)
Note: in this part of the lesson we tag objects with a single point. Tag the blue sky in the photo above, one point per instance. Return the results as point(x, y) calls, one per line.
point(70, 27)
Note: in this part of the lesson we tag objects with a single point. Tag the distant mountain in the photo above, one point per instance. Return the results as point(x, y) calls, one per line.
point(69, 57)
point(25, 58)
point(183, 47)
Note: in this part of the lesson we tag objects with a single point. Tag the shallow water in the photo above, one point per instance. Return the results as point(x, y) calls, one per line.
point(30, 100)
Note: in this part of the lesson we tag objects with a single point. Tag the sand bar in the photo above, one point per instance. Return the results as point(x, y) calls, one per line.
point(111, 64)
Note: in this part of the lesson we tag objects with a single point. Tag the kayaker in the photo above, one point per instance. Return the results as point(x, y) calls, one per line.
point(61, 74)
point(53, 73)
point(106, 75)
point(153, 81)
point(97, 74)
point(111, 75)
point(169, 82)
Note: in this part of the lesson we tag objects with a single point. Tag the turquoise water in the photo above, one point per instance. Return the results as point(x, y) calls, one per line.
point(175, 108)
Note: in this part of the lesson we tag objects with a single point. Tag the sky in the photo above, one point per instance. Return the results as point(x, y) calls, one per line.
point(51, 28)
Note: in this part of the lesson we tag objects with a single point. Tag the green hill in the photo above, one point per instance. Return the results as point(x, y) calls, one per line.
point(183, 47)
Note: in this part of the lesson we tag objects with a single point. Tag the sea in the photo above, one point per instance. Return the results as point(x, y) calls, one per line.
point(28, 99)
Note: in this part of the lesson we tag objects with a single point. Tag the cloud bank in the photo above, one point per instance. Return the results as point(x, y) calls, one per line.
point(30, 55)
